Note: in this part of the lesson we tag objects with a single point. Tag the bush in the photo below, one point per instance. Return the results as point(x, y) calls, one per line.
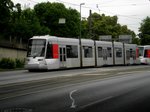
point(19, 63)
point(7, 63)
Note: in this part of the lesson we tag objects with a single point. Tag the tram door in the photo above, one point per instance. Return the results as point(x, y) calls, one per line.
point(105, 56)
point(62, 51)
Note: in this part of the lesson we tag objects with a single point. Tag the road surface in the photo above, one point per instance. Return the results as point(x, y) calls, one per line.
point(115, 89)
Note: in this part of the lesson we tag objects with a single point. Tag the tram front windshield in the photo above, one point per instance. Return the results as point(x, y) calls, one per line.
point(141, 49)
point(36, 48)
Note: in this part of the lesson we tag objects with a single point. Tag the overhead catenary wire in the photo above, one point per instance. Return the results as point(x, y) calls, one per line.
point(35, 2)
point(95, 9)
point(97, 5)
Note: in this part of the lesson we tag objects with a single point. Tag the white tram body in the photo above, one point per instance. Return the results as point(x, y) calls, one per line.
point(88, 55)
point(131, 56)
point(68, 52)
point(104, 53)
point(118, 53)
point(50, 52)
point(144, 54)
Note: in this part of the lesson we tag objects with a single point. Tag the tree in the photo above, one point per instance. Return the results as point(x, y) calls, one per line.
point(43, 19)
point(105, 25)
point(145, 31)
point(49, 15)
point(25, 24)
point(6, 7)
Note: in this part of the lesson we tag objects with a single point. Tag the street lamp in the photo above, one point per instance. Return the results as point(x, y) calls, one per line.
point(80, 37)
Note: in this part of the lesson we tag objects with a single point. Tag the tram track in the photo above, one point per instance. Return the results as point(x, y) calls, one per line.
point(31, 87)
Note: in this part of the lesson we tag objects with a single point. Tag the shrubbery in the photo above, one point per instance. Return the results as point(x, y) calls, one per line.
point(19, 63)
point(7, 63)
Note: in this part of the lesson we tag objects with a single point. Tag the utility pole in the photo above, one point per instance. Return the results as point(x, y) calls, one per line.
point(81, 61)
point(98, 8)
point(90, 24)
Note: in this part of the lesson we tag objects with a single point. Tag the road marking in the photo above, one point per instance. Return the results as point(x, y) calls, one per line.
point(95, 74)
point(98, 101)
point(73, 101)
point(132, 72)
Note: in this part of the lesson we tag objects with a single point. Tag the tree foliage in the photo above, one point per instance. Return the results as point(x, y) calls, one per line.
point(49, 15)
point(105, 25)
point(145, 31)
point(6, 7)
point(44, 18)
point(26, 24)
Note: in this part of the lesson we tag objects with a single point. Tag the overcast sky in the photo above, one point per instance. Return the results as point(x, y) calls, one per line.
point(129, 12)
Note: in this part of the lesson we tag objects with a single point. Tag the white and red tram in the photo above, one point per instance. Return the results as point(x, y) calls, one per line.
point(50, 52)
point(144, 54)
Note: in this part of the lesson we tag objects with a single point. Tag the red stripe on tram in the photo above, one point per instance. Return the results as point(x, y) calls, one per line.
point(55, 51)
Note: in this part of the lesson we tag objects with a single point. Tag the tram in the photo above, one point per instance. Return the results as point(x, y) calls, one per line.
point(50, 52)
point(144, 54)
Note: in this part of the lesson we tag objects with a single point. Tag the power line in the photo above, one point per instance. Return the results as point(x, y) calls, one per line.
point(97, 5)
point(91, 8)
point(125, 5)
point(118, 14)
point(68, 3)
point(33, 1)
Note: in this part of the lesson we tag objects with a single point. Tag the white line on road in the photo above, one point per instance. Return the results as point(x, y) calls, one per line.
point(98, 101)
point(73, 101)
point(131, 72)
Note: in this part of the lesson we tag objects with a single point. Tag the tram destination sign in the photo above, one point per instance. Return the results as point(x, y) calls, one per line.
point(125, 38)
point(105, 38)
point(62, 21)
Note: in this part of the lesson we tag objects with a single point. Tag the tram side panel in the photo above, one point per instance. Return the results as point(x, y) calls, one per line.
point(52, 53)
point(118, 53)
point(99, 50)
point(104, 53)
point(88, 52)
point(137, 56)
point(144, 54)
point(130, 54)
point(69, 53)
point(147, 54)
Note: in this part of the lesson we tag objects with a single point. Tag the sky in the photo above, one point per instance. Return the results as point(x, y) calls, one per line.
point(129, 12)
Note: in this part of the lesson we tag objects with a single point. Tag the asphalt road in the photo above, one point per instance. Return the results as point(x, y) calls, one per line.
point(115, 89)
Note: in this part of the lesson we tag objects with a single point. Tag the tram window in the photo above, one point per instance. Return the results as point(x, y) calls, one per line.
point(134, 54)
point(109, 53)
point(127, 54)
point(61, 58)
point(60, 51)
point(131, 53)
point(118, 52)
point(64, 57)
point(88, 52)
point(49, 51)
point(141, 49)
point(64, 51)
point(137, 52)
point(147, 53)
point(100, 54)
point(36, 48)
point(72, 51)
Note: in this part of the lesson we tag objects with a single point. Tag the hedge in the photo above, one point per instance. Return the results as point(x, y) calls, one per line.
point(7, 63)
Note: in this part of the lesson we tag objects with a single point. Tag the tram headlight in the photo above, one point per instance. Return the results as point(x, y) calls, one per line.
point(40, 59)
